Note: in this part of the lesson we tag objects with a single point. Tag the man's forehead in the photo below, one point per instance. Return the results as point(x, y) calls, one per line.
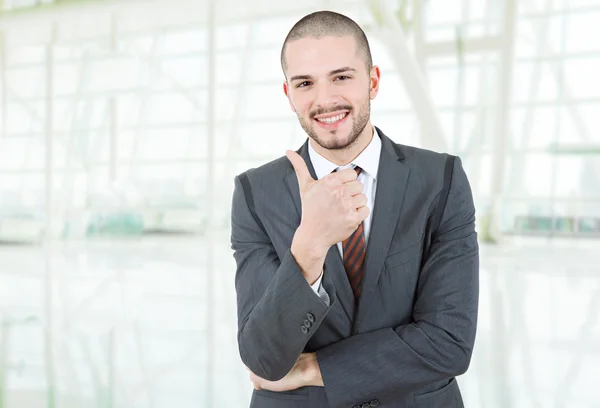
point(317, 56)
point(319, 41)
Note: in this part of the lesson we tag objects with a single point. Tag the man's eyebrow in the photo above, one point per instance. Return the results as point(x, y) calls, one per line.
point(331, 73)
point(297, 77)
point(340, 70)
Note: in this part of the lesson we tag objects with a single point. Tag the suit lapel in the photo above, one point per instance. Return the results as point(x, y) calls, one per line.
point(334, 266)
point(392, 178)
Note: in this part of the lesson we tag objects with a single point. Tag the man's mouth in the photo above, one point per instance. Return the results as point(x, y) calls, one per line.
point(333, 119)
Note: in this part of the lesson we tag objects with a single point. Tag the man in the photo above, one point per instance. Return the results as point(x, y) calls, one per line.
point(357, 258)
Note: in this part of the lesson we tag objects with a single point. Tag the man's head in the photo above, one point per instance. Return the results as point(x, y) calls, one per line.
point(330, 79)
point(328, 23)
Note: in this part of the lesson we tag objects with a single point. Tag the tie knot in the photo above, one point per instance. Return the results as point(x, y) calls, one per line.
point(356, 169)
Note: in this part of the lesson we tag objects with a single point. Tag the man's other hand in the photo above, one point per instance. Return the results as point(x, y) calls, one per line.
point(304, 373)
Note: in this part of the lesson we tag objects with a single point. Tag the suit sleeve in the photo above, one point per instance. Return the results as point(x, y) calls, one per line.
point(438, 344)
point(277, 309)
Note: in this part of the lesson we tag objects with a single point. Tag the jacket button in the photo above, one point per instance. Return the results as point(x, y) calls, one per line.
point(374, 403)
point(304, 329)
point(366, 405)
point(310, 317)
point(307, 323)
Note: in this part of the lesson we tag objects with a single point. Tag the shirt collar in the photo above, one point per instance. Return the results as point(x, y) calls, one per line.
point(367, 160)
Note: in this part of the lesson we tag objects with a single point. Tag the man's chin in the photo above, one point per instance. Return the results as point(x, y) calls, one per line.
point(331, 142)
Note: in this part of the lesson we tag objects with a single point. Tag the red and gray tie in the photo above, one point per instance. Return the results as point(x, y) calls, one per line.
point(354, 251)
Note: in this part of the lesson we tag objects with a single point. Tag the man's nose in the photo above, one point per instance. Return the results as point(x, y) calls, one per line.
point(325, 96)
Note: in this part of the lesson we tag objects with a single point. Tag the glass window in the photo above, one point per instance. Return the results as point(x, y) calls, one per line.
point(581, 77)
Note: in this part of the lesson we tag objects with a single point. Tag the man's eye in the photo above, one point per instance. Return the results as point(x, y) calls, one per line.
point(342, 77)
point(303, 84)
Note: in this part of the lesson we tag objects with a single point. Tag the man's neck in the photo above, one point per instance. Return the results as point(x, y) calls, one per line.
point(345, 156)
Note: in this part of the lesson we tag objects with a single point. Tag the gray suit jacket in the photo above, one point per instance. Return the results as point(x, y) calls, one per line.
point(414, 325)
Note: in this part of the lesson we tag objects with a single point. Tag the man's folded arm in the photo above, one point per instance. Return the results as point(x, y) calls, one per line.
point(278, 311)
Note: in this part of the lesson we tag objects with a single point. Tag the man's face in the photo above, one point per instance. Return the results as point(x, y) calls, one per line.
point(330, 89)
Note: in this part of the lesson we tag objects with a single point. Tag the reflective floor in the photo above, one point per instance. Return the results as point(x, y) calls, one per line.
point(140, 323)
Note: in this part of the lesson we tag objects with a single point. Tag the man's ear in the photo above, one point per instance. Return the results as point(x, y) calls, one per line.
point(375, 78)
point(286, 91)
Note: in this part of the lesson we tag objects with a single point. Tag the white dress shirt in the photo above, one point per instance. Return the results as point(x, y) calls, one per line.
point(368, 161)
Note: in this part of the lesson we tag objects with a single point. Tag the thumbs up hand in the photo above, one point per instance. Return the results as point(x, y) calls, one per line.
point(304, 177)
point(332, 207)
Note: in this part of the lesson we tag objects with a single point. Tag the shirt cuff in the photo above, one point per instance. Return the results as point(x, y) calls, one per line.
point(317, 285)
point(320, 290)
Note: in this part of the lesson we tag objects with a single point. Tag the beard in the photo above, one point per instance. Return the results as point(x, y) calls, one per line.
point(336, 142)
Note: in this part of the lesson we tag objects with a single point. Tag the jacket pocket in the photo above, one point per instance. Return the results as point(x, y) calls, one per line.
point(404, 255)
point(443, 397)
point(295, 395)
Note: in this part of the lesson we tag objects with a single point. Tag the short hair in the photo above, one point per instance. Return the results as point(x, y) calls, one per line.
point(328, 23)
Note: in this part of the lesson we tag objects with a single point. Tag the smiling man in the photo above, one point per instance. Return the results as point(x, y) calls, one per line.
point(357, 257)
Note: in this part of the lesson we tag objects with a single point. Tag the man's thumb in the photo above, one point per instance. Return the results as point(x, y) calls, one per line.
point(304, 177)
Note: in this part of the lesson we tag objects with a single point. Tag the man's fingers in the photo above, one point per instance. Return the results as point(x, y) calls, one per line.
point(353, 187)
point(362, 213)
point(359, 200)
point(304, 177)
point(255, 380)
point(346, 175)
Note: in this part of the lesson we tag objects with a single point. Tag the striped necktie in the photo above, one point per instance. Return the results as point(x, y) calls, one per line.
point(354, 251)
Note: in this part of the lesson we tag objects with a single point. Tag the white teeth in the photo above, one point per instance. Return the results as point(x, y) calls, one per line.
point(333, 119)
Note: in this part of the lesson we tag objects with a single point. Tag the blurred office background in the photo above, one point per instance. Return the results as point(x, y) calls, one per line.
point(123, 123)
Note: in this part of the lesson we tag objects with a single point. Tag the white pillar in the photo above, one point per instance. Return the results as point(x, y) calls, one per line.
point(112, 110)
point(210, 202)
point(48, 145)
point(391, 33)
point(3, 93)
point(49, 233)
point(502, 135)
point(49, 332)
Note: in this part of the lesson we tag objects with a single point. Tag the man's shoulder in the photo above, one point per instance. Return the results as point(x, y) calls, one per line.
point(424, 161)
point(269, 172)
point(413, 155)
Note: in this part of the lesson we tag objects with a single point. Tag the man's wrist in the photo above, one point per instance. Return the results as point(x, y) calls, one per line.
point(309, 255)
point(313, 371)
point(306, 242)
